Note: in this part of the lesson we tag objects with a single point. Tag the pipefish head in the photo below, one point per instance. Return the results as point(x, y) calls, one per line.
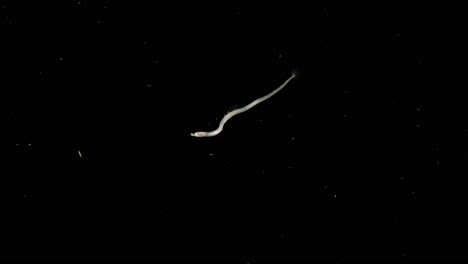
point(198, 134)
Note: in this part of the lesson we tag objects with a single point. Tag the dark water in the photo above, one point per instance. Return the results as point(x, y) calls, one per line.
point(361, 158)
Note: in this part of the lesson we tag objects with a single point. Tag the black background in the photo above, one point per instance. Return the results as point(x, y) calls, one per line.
point(362, 158)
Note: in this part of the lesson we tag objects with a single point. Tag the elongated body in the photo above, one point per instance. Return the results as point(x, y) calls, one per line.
point(243, 109)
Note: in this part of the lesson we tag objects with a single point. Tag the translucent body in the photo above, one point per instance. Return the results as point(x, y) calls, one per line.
point(215, 132)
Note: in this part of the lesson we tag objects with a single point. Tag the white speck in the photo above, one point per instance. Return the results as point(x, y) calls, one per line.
point(29, 144)
point(149, 85)
point(417, 125)
point(99, 21)
point(280, 55)
point(211, 154)
point(79, 153)
point(402, 178)
point(292, 138)
point(334, 195)
point(345, 115)
point(17, 144)
point(260, 120)
point(437, 162)
point(79, 2)
point(418, 109)
point(326, 186)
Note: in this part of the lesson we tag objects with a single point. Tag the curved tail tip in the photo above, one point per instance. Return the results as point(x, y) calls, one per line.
point(296, 74)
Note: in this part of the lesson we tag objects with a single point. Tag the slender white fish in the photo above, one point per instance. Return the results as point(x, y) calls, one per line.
point(215, 132)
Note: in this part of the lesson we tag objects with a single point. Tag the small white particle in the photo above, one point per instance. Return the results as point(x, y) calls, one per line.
point(79, 153)
point(417, 125)
point(418, 109)
point(29, 144)
point(402, 178)
point(149, 85)
point(326, 186)
point(334, 195)
point(99, 21)
point(61, 58)
point(211, 154)
point(437, 162)
point(292, 138)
